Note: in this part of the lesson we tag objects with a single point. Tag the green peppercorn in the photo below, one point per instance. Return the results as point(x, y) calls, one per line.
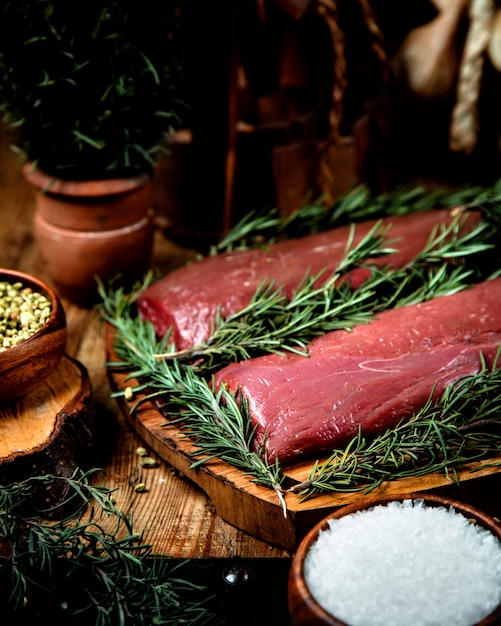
point(22, 313)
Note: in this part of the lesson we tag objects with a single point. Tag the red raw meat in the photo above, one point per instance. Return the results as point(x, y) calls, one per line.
point(188, 299)
point(371, 377)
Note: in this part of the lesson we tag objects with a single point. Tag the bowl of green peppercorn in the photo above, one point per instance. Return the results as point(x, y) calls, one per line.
point(32, 333)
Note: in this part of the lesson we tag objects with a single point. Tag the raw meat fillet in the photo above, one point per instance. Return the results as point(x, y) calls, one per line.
point(371, 377)
point(188, 299)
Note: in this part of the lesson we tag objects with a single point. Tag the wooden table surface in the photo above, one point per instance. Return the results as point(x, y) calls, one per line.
point(176, 516)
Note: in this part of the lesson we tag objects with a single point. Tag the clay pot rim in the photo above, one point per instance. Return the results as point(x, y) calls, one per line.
point(297, 585)
point(47, 183)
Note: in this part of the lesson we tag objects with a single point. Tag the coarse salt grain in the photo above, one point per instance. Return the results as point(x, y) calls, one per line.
point(405, 563)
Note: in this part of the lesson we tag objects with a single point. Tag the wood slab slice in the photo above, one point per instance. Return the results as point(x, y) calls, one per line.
point(256, 509)
point(50, 429)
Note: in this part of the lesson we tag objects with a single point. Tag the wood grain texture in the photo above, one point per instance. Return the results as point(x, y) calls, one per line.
point(50, 430)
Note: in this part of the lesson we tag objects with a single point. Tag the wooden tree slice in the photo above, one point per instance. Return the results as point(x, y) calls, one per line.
point(50, 429)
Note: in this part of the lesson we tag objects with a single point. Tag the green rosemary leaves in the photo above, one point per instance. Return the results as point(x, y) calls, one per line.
point(461, 427)
point(72, 571)
point(436, 439)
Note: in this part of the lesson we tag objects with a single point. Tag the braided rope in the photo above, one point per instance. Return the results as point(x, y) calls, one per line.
point(327, 10)
point(377, 40)
point(465, 116)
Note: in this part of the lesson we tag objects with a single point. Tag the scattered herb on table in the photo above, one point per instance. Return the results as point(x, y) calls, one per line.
point(72, 571)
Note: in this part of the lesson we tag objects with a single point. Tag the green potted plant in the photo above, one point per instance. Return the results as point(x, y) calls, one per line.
point(89, 94)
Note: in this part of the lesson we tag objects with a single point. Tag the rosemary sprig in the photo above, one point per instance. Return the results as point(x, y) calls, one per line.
point(75, 571)
point(356, 205)
point(460, 427)
point(217, 422)
point(274, 322)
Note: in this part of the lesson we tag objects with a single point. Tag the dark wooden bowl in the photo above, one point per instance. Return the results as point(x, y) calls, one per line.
point(26, 364)
point(306, 611)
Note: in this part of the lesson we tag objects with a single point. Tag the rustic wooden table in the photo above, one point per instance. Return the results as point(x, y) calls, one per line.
point(177, 518)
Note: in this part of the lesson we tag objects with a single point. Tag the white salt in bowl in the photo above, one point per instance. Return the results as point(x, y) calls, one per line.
point(418, 560)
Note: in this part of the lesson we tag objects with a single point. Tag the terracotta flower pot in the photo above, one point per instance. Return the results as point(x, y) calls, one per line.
point(90, 229)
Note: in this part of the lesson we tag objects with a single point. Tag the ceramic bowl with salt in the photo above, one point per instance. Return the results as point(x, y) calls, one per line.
point(420, 560)
point(32, 332)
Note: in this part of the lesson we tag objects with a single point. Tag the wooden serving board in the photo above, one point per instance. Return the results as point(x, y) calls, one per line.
point(257, 510)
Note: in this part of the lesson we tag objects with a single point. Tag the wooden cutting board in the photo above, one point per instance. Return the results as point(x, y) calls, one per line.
point(257, 510)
